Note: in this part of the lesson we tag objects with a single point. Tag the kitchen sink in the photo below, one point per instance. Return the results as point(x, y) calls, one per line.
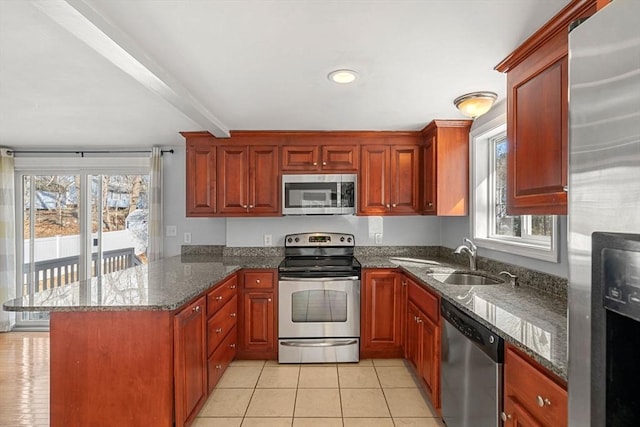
point(466, 278)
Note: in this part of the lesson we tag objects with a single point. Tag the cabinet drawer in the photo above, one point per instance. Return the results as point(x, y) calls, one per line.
point(221, 358)
point(219, 296)
point(425, 301)
point(221, 323)
point(536, 392)
point(258, 280)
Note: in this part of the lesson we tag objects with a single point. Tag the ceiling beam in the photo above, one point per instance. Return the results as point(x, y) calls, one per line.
point(90, 27)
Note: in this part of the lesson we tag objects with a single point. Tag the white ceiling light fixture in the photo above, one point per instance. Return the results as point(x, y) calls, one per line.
point(475, 104)
point(343, 76)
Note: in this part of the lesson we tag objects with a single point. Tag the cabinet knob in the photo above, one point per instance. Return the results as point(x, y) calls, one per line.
point(393, 205)
point(258, 281)
point(233, 314)
point(505, 417)
point(219, 331)
point(219, 298)
point(324, 163)
point(244, 206)
point(430, 204)
point(419, 320)
point(542, 401)
point(404, 283)
point(250, 206)
point(232, 287)
point(196, 308)
point(218, 366)
point(388, 206)
point(269, 300)
point(232, 346)
point(315, 163)
point(565, 188)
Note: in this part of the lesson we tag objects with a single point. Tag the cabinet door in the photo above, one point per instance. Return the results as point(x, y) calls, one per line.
point(374, 187)
point(381, 325)
point(429, 175)
point(201, 178)
point(404, 179)
point(233, 179)
point(300, 158)
point(264, 184)
point(190, 361)
point(517, 416)
point(429, 359)
point(412, 343)
point(340, 158)
point(537, 138)
point(258, 332)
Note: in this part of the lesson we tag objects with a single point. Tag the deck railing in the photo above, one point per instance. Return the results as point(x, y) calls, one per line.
point(60, 271)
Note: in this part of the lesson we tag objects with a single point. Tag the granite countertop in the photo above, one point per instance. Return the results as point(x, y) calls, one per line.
point(534, 321)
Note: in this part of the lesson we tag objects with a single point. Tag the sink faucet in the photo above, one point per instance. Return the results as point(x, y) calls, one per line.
point(470, 250)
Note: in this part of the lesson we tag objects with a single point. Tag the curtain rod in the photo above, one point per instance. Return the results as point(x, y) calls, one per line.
point(83, 152)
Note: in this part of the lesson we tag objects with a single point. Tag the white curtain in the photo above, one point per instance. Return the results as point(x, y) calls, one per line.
point(7, 238)
point(155, 206)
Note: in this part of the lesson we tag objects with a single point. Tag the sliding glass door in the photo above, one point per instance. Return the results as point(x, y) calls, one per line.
point(77, 226)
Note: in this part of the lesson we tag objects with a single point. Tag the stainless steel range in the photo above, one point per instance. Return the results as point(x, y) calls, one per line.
point(319, 299)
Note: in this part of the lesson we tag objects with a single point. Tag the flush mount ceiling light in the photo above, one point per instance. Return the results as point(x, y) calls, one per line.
point(475, 104)
point(343, 76)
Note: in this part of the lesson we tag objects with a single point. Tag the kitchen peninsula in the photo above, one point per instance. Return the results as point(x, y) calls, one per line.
point(116, 348)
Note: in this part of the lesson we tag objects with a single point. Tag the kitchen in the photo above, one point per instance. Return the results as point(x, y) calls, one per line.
point(377, 230)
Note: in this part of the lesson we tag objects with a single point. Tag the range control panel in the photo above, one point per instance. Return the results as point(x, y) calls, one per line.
point(319, 239)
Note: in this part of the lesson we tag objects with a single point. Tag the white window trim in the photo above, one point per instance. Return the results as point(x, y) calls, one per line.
point(480, 190)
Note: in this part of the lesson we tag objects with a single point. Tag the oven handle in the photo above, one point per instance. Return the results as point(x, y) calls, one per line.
point(326, 343)
point(317, 279)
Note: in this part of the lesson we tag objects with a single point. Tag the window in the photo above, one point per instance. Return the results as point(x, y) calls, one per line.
point(534, 236)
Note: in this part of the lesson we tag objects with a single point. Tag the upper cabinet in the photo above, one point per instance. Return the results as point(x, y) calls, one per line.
point(320, 158)
point(389, 178)
point(445, 168)
point(201, 177)
point(537, 116)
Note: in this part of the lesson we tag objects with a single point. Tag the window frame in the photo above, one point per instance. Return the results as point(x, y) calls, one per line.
point(482, 209)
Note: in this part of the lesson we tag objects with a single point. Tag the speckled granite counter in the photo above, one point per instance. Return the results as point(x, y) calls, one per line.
point(534, 321)
point(162, 285)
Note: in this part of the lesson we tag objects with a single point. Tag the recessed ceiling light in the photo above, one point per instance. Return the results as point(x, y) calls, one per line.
point(343, 76)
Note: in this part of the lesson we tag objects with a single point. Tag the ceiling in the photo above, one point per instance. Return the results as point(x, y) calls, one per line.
point(123, 73)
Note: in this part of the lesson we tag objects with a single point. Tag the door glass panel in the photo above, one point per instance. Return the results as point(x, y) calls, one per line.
point(319, 306)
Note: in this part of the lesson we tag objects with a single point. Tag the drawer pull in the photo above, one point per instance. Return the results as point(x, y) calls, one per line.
point(196, 308)
point(233, 315)
point(232, 346)
point(218, 366)
point(232, 287)
point(219, 331)
point(219, 298)
point(543, 401)
point(419, 320)
point(505, 417)
point(269, 300)
point(258, 281)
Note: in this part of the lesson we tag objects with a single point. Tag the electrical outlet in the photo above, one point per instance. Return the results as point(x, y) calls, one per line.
point(268, 240)
point(378, 238)
point(187, 237)
point(187, 270)
point(172, 231)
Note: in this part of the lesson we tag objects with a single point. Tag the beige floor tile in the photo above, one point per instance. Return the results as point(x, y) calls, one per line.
point(418, 422)
point(363, 402)
point(266, 422)
point(388, 362)
point(407, 402)
point(368, 422)
point(318, 377)
point(217, 422)
point(245, 363)
point(395, 376)
point(272, 402)
point(318, 402)
point(276, 363)
point(227, 403)
point(362, 362)
point(317, 422)
point(358, 377)
point(240, 377)
point(279, 377)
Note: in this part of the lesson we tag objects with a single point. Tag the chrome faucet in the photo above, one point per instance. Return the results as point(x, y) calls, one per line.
point(471, 250)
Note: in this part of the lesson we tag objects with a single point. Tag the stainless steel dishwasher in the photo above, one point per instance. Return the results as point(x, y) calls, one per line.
point(472, 357)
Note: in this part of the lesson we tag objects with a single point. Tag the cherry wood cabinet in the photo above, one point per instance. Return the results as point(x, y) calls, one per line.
point(389, 179)
point(537, 116)
point(445, 168)
point(201, 177)
point(258, 333)
point(422, 345)
point(532, 396)
point(190, 368)
point(248, 180)
point(381, 314)
point(316, 158)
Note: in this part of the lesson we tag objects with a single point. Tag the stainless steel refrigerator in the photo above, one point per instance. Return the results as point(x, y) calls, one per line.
point(604, 196)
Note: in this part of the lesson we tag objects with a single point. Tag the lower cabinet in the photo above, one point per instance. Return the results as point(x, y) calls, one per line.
point(190, 372)
point(532, 397)
point(381, 314)
point(422, 344)
point(257, 335)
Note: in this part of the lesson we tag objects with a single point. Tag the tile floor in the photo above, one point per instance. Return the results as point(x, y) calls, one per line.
point(372, 393)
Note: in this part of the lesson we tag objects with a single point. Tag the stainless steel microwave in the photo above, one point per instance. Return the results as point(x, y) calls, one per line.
point(326, 194)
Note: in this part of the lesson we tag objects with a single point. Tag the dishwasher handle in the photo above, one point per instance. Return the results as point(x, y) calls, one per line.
point(489, 342)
